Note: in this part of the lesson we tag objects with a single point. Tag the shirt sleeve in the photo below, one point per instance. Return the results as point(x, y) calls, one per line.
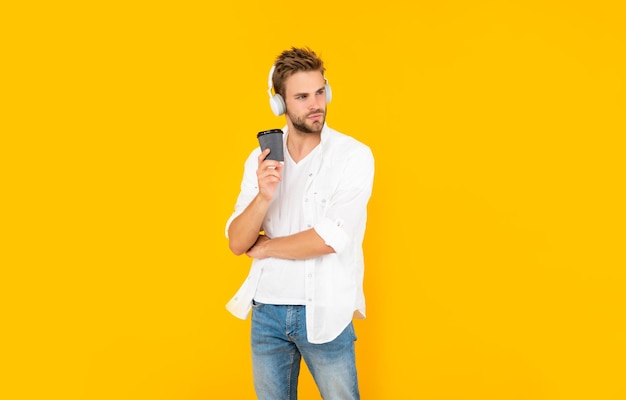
point(345, 218)
point(249, 187)
point(333, 234)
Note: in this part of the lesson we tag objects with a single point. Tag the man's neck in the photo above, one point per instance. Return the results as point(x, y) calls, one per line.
point(301, 144)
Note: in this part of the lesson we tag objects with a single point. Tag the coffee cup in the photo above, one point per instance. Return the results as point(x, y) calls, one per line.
point(272, 139)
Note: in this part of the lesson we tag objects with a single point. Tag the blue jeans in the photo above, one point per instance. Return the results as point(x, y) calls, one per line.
point(279, 341)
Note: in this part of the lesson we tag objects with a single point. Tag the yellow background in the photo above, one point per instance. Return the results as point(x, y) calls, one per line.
point(495, 242)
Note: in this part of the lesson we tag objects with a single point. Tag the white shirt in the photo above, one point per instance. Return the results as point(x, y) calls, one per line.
point(282, 281)
point(334, 203)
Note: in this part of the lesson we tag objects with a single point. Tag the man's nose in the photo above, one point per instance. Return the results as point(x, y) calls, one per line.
point(315, 103)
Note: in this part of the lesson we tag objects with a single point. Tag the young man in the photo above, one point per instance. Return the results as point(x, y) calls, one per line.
point(303, 222)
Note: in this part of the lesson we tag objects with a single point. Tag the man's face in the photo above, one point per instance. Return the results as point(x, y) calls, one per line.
point(305, 97)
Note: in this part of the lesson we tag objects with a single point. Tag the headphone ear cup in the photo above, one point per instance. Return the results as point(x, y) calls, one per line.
point(277, 104)
point(329, 93)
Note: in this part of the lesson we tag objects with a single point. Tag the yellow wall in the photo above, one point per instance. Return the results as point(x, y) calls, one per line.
point(495, 243)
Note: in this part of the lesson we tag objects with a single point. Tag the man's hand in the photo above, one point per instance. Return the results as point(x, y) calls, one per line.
point(269, 175)
point(258, 249)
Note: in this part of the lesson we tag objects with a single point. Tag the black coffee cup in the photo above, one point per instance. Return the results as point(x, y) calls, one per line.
point(272, 139)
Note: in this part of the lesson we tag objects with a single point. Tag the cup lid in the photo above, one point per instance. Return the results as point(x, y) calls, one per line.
point(267, 132)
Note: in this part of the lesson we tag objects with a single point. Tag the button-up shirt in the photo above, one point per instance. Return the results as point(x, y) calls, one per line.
point(334, 203)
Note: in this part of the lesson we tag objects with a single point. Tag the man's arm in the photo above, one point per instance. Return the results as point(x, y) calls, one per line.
point(244, 230)
point(300, 246)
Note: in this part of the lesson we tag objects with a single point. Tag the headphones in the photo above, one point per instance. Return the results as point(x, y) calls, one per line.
point(276, 101)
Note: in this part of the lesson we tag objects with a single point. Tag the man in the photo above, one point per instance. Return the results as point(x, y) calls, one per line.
point(303, 222)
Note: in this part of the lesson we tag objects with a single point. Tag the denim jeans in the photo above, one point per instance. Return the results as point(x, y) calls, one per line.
point(279, 341)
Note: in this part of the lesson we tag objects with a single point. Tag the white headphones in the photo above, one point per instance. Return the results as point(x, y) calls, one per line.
point(276, 101)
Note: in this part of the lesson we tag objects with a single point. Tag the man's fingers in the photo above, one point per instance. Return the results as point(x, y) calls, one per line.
point(262, 156)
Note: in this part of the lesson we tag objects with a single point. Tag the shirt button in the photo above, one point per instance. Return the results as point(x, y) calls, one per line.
point(306, 200)
point(308, 225)
point(310, 275)
point(310, 300)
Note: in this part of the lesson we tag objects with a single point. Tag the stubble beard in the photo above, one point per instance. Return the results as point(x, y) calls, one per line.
point(301, 123)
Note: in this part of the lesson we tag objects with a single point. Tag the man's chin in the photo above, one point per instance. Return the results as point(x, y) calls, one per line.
point(316, 126)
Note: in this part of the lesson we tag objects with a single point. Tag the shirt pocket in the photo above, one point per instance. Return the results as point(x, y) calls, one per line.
point(321, 200)
point(322, 191)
